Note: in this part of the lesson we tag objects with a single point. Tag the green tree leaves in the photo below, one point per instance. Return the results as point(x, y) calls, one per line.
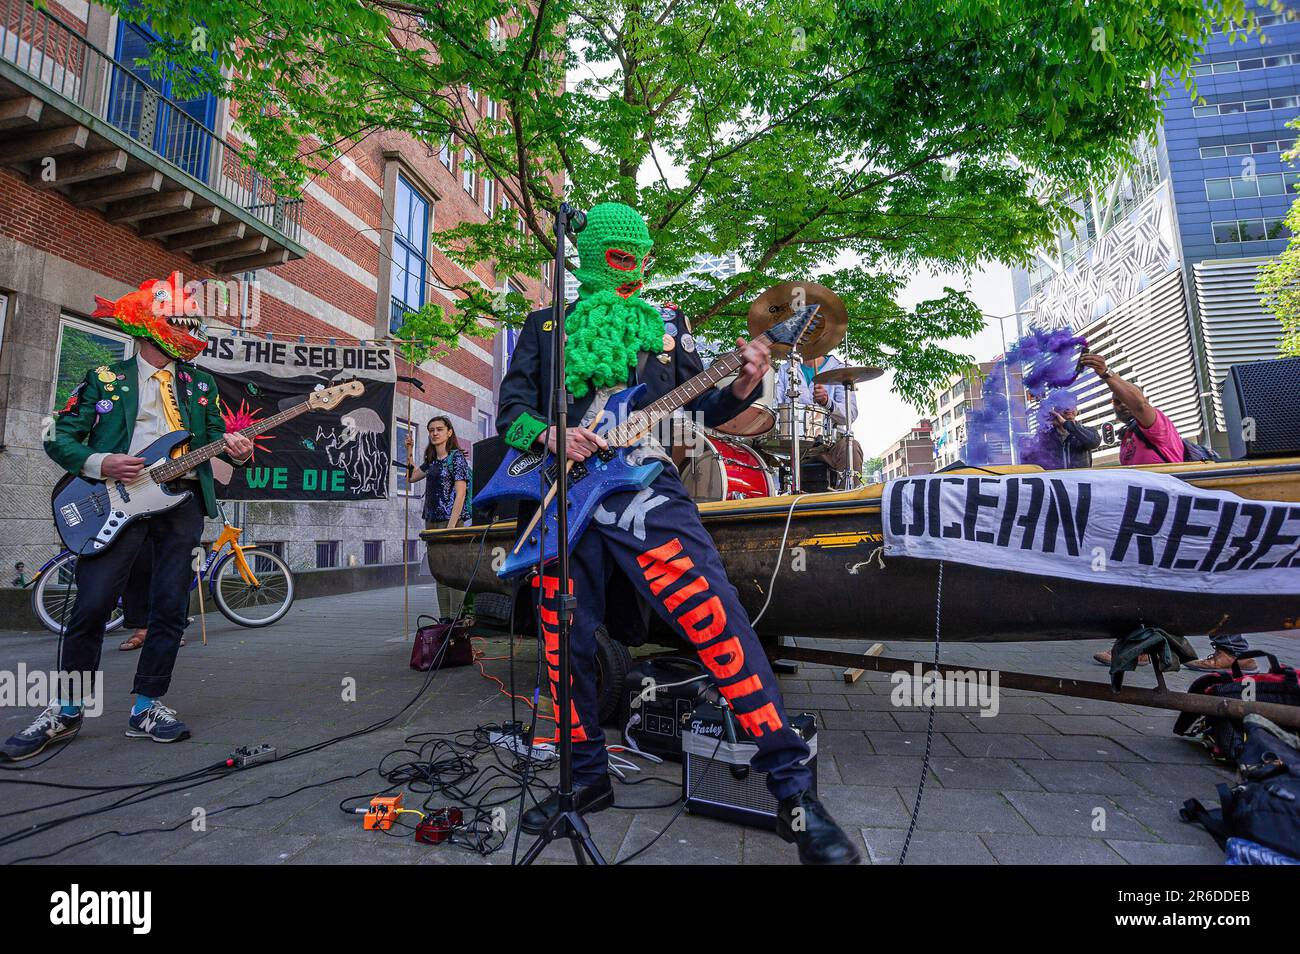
point(843, 141)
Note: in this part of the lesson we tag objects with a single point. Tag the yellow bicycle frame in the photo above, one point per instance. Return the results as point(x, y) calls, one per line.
point(231, 534)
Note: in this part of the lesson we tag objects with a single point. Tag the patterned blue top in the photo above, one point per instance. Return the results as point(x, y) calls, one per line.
point(440, 487)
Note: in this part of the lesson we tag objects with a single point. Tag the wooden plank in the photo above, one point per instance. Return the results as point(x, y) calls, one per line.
point(188, 241)
point(44, 143)
point(116, 188)
point(853, 675)
point(80, 168)
point(180, 222)
point(149, 206)
point(20, 112)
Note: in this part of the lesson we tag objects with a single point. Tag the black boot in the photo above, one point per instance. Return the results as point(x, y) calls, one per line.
point(805, 821)
point(587, 799)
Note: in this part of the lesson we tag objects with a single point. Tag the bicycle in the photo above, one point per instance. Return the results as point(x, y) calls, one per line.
point(246, 596)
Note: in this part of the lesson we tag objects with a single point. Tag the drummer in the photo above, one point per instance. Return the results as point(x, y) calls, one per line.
point(843, 409)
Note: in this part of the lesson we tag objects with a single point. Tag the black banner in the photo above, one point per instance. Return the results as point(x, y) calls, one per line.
point(343, 454)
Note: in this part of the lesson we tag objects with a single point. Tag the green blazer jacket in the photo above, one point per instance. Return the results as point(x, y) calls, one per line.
point(99, 418)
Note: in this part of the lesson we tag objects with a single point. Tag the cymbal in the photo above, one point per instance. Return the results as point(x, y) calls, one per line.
point(775, 305)
point(850, 375)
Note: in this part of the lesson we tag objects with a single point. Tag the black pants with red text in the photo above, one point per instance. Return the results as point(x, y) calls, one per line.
point(655, 537)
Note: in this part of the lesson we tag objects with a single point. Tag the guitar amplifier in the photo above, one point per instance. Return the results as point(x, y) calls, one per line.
point(486, 458)
point(653, 721)
point(1260, 408)
point(717, 780)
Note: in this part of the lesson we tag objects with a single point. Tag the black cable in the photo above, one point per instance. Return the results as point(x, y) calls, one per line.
point(195, 778)
point(929, 726)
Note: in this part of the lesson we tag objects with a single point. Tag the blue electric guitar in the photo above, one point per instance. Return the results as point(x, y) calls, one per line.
point(608, 471)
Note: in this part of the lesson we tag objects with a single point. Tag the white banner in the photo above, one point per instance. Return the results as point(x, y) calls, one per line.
point(1121, 527)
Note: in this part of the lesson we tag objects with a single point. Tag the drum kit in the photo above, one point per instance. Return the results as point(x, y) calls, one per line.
point(776, 446)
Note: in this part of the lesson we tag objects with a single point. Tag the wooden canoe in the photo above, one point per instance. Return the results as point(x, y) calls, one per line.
point(848, 590)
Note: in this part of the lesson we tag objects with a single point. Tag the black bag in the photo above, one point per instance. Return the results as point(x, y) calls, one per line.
point(1225, 737)
point(1191, 450)
point(441, 645)
point(1264, 807)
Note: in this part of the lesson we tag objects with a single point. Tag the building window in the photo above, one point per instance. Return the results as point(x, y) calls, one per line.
point(1246, 65)
point(179, 130)
point(467, 172)
point(261, 565)
point(1249, 106)
point(410, 251)
point(471, 94)
point(401, 429)
point(446, 155)
point(413, 551)
point(372, 552)
point(327, 554)
point(1249, 230)
point(489, 196)
point(83, 346)
point(1245, 148)
point(1243, 187)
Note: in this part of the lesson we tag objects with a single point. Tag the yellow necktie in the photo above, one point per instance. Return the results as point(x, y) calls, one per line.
point(171, 410)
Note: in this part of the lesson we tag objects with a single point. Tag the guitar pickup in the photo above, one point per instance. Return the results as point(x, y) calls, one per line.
point(71, 515)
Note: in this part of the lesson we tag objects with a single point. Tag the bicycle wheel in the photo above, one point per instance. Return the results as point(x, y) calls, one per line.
point(248, 605)
point(55, 593)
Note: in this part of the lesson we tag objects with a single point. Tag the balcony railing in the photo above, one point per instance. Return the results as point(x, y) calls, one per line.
point(54, 53)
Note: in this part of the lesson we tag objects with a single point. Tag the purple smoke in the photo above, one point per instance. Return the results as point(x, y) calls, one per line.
point(1044, 365)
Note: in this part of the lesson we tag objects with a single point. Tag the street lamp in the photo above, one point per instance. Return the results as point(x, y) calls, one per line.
point(1006, 375)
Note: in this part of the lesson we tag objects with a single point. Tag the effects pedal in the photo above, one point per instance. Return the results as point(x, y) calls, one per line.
point(383, 812)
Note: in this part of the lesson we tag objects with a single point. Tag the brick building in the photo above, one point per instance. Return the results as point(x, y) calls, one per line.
point(911, 454)
point(106, 181)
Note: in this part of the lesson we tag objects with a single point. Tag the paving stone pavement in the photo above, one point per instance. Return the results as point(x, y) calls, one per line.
point(1048, 780)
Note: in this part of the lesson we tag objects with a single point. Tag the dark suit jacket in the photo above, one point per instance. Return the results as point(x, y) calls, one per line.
point(527, 382)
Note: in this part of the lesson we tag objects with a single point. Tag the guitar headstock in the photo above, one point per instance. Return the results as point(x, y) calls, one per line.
point(797, 330)
point(326, 399)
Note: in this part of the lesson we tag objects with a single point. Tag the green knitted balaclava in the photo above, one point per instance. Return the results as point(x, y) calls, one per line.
point(610, 323)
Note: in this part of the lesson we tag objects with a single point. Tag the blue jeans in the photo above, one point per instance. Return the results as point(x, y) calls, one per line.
point(654, 536)
point(1233, 644)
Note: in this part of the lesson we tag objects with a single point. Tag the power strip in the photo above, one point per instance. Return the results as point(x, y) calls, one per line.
point(542, 751)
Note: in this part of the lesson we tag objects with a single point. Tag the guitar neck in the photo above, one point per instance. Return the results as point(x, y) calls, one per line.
point(186, 462)
point(654, 412)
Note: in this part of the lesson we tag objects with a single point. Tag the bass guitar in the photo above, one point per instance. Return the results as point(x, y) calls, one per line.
point(608, 471)
point(89, 514)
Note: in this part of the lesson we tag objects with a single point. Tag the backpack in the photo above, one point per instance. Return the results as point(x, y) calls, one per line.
point(1225, 737)
point(1264, 807)
point(1191, 450)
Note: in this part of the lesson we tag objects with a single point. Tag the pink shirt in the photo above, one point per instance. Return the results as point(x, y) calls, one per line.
point(1162, 434)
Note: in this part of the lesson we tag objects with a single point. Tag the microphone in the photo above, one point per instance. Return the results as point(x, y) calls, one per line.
point(575, 219)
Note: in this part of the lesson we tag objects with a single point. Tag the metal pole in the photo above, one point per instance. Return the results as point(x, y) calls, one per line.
point(1283, 715)
point(1006, 387)
point(793, 393)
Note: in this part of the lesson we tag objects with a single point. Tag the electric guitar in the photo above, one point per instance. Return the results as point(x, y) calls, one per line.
point(89, 514)
point(608, 471)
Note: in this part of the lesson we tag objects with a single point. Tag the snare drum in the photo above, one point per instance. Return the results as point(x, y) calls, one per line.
point(814, 423)
point(757, 419)
point(721, 468)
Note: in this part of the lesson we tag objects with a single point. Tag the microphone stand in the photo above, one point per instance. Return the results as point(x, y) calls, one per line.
point(567, 823)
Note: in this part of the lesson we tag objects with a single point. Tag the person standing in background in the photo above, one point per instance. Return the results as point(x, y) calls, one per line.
point(446, 495)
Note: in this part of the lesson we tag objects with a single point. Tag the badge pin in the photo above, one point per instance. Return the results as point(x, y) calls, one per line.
point(664, 359)
point(688, 342)
point(103, 407)
point(669, 343)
